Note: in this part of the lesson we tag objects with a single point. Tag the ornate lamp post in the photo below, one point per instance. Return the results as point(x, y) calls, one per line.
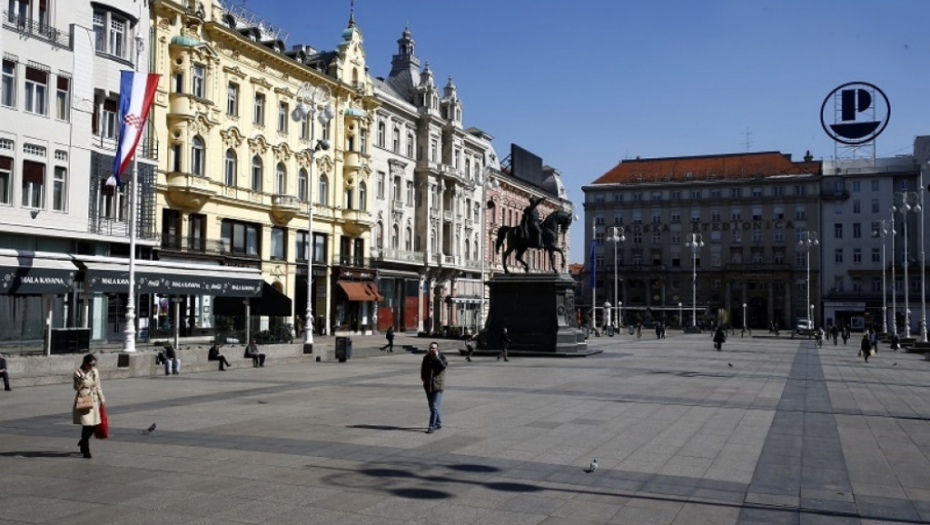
point(809, 240)
point(910, 201)
point(314, 103)
point(695, 242)
point(885, 229)
point(615, 235)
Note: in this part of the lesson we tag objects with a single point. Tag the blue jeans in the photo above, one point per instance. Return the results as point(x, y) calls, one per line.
point(435, 399)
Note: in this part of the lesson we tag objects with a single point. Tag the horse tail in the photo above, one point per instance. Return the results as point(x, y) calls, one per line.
point(501, 235)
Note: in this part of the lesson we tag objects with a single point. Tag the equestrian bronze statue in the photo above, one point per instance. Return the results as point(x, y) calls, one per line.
point(534, 234)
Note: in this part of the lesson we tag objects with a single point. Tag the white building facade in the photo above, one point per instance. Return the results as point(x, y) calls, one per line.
point(61, 63)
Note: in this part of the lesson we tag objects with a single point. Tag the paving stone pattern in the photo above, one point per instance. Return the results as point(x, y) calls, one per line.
point(766, 431)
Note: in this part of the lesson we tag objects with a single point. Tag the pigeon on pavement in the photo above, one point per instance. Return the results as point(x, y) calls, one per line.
point(149, 430)
point(592, 467)
point(730, 365)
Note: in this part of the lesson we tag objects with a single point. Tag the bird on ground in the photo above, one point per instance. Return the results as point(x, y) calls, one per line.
point(592, 467)
point(730, 365)
point(149, 430)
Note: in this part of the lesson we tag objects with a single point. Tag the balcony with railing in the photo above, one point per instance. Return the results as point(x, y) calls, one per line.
point(397, 205)
point(448, 216)
point(178, 243)
point(352, 261)
point(284, 207)
point(394, 255)
point(36, 29)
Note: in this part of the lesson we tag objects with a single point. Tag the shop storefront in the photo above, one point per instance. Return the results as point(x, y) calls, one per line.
point(36, 294)
point(354, 299)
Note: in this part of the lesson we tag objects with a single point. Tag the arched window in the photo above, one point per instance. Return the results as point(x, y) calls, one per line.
point(302, 185)
point(197, 156)
point(467, 250)
point(229, 171)
point(408, 239)
point(256, 173)
point(433, 247)
point(394, 237)
point(323, 190)
point(362, 196)
point(410, 145)
point(379, 235)
point(280, 179)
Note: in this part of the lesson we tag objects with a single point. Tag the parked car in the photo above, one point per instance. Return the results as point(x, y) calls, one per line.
point(804, 327)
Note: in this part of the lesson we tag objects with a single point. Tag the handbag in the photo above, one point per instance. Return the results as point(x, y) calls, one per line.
point(84, 403)
point(103, 429)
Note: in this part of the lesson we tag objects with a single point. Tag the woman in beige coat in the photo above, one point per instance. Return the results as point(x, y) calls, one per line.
point(87, 383)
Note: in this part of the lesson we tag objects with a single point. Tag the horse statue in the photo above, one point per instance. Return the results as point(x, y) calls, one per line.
point(555, 223)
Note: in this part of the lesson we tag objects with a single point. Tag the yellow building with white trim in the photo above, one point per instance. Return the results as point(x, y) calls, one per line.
point(234, 173)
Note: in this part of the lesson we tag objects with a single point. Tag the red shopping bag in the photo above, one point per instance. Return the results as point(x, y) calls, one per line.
point(103, 429)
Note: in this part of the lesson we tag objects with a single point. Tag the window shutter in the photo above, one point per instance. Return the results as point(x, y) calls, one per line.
point(6, 163)
point(33, 172)
point(63, 83)
point(36, 75)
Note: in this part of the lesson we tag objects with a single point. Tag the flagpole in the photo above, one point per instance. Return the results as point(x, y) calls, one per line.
point(129, 345)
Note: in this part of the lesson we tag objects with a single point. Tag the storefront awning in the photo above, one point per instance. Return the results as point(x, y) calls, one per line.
point(111, 275)
point(271, 303)
point(361, 291)
point(34, 273)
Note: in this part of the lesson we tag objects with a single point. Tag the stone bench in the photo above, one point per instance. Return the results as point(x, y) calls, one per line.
point(59, 368)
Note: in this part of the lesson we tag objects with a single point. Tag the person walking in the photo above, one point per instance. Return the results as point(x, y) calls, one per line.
point(819, 336)
point(873, 339)
point(214, 355)
point(433, 375)
point(834, 332)
point(87, 401)
point(720, 337)
point(505, 344)
point(390, 340)
point(865, 347)
point(470, 341)
point(845, 334)
point(4, 374)
point(258, 358)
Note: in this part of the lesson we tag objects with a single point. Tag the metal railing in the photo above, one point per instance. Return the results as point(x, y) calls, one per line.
point(356, 262)
point(27, 26)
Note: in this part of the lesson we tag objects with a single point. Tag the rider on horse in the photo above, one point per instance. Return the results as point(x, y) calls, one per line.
point(530, 223)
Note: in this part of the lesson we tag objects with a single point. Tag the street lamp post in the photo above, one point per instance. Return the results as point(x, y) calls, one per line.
point(681, 322)
point(809, 240)
point(744, 317)
point(487, 183)
point(886, 228)
point(695, 242)
point(923, 262)
point(313, 103)
point(616, 236)
point(910, 201)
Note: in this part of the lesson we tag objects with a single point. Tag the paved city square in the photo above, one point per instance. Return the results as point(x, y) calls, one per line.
point(766, 431)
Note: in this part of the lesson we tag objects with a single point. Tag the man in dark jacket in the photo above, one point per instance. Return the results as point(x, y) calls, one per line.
point(433, 375)
point(213, 354)
point(505, 344)
point(258, 358)
point(4, 374)
point(172, 363)
point(390, 340)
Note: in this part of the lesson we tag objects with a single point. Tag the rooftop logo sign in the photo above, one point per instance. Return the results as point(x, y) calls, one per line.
point(858, 114)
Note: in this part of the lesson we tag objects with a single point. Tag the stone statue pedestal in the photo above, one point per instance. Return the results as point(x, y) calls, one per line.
point(538, 310)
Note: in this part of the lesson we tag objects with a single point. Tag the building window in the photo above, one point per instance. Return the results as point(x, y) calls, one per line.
point(657, 237)
point(232, 99)
point(800, 213)
point(715, 194)
point(599, 221)
point(108, 120)
point(319, 248)
point(876, 284)
point(256, 174)
point(36, 91)
point(779, 235)
point(874, 185)
point(857, 230)
point(363, 141)
point(778, 191)
point(229, 170)
point(779, 257)
point(278, 243)
point(282, 117)
point(736, 193)
point(676, 237)
point(280, 179)
point(241, 237)
point(800, 259)
point(757, 192)
point(395, 141)
point(259, 110)
point(197, 156)
point(736, 215)
point(362, 196)
point(756, 236)
point(838, 230)
point(303, 246)
point(8, 84)
point(100, 24)
point(800, 190)
point(410, 145)
point(379, 188)
point(117, 36)
point(323, 190)
point(875, 206)
point(856, 186)
point(197, 80)
point(33, 184)
point(857, 255)
point(6, 179)
point(857, 206)
point(302, 185)
point(876, 255)
point(838, 255)
point(410, 193)
point(63, 99)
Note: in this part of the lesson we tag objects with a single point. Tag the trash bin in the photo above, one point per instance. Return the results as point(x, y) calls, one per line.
point(343, 348)
point(610, 331)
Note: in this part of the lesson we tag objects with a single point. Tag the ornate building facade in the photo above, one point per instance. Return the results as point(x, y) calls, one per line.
point(236, 176)
point(747, 214)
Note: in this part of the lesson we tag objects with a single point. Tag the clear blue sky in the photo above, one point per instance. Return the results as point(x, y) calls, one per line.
point(584, 84)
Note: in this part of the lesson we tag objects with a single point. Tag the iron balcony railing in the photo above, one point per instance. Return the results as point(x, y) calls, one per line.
point(27, 26)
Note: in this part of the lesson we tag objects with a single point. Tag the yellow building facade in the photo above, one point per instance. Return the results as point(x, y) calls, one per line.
point(235, 173)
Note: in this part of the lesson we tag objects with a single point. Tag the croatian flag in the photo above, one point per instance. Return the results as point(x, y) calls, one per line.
point(136, 92)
